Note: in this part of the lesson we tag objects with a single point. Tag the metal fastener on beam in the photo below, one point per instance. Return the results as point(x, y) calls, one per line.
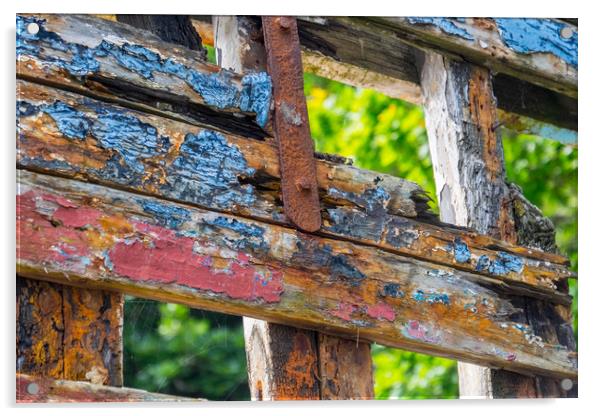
point(291, 124)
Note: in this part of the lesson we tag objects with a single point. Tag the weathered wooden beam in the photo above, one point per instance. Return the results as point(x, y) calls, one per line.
point(350, 50)
point(88, 235)
point(35, 389)
point(468, 163)
point(287, 362)
point(336, 46)
point(66, 134)
point(540, 51)
point(67, 332)
point(108, 60)
point(176, 29)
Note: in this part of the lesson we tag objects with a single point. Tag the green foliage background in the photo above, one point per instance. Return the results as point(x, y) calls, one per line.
point(174, 349)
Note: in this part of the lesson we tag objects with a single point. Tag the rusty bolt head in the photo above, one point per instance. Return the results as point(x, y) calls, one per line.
point(285, 22)
point(303, 184)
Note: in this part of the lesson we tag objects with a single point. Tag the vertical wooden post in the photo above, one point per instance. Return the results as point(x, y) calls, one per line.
point(468, 163)
point(69, 333)
point(286, 363)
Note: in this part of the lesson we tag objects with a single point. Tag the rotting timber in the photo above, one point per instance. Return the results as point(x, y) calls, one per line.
point(199, 207)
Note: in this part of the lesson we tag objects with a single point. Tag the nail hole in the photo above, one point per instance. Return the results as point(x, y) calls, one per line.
point(33, 388)
point(33, 28)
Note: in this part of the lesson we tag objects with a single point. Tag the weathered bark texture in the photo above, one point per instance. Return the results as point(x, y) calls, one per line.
point(468, 163)
point(284, 362)
point(69, 333)
point(82, 234)
point(35, 389)
point(170, 28)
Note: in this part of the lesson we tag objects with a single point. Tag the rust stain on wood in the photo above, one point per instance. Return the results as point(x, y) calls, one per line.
point(291, 124)
point(282, 362)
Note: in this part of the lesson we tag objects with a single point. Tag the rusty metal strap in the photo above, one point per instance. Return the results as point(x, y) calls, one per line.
point(291, 124)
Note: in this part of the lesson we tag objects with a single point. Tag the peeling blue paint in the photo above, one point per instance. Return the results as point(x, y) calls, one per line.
point(372, 200)
point(128, 136)
point(446, 24)
point(217, 90)
point(539, 35)
point(247, 230)
point(107, 260)
point(400, 232)
point(431, 298)
point(167, 215)
point(25, 109)
point(482, 263)
point(504, 263)
point(448, 276)
point(207, 170)
point(321, 256)
point(256, 95)
point(461, 252)
point(249, 236)
point(392, 290)
point(355, 223)
point(70, 122)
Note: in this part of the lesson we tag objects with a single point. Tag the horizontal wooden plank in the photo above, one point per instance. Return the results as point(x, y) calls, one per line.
point(107, 59)
point(78, 233)
point(349, 50)
point(541, 51)
point(70, 135)
point(335, 47)
point(82, 234)
point(35, 389)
